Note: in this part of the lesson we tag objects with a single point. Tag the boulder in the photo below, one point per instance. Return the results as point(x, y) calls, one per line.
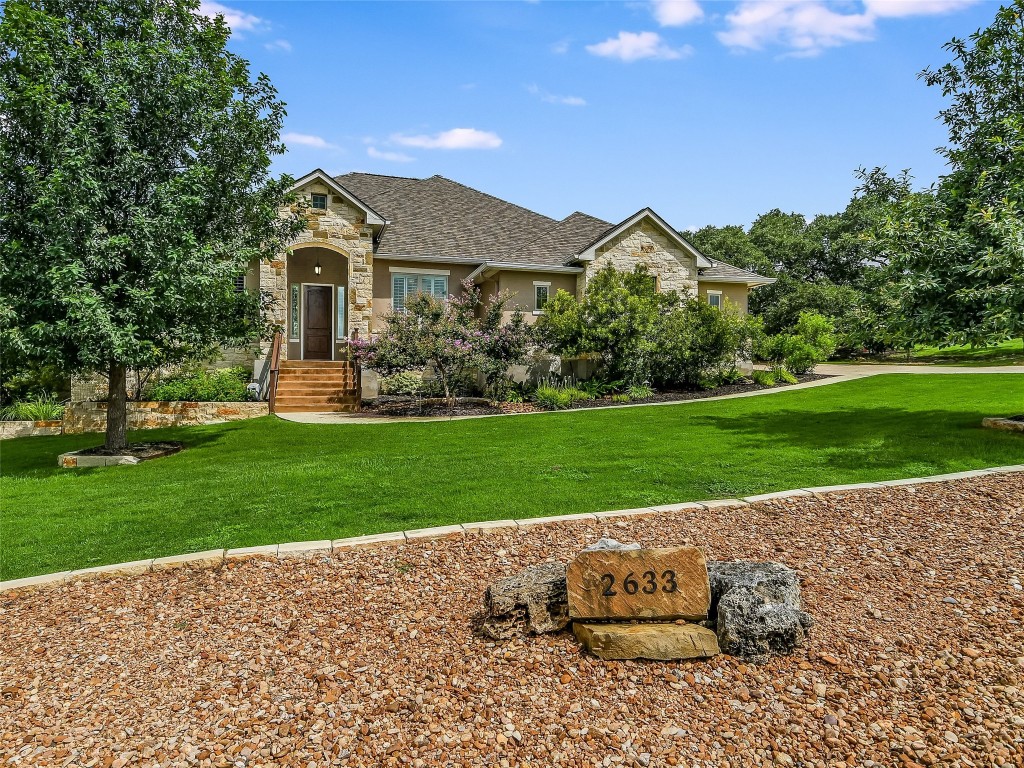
point(756, 609)
point(533, 600)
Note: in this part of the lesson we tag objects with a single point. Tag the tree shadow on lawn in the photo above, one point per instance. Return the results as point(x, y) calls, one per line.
point(36, 457)
point(882, 438)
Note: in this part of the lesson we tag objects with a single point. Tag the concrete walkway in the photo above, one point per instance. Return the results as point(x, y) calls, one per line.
point(860, 370)
point(837, 372)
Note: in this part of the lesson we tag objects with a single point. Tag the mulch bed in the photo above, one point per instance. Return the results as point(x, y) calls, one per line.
point(140, 451)
point(369, 658)
point(394, 406)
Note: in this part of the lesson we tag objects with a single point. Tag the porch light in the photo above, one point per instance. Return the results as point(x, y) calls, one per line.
point(317, 269)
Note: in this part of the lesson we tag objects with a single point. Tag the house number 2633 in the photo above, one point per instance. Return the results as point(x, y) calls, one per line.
point(648, 583)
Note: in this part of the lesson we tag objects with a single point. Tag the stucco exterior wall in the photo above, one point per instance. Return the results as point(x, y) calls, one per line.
point(521, 285)
point(645, 243)
point(382, 271)
point(733, 293)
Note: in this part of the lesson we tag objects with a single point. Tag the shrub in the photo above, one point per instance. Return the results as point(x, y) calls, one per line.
point(577, 395)
point(620, 398)
point(639, 392)
point(645, 337)
point(763, 378)
point(732, 376)
point(813, 341)
point(455, 336)
point(42, 408)
point(551, 398)
point(781, 374)
point(221, 386)
point(404, 383)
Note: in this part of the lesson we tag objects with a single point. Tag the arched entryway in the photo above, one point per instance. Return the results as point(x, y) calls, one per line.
point(317, 314)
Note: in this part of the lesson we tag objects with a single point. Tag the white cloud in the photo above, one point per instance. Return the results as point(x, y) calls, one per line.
point(456, 138)
point(807, 27)
point(306, 140)
point(676, 13)
point(238, 21)
point(900, 8)
point(393, 157)
point(561, 47)
point(631, 46)
point(551, 98)
point(278, 45)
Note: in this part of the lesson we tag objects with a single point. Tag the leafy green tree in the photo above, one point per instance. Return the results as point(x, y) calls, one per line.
point(731, 244)
point(134, 186)
point(957, 249)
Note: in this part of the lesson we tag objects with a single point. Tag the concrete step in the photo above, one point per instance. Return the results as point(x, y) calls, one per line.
point(331, 379)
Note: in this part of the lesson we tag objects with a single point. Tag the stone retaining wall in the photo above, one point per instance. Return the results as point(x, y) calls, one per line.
point(9, 429)
point(91, 416)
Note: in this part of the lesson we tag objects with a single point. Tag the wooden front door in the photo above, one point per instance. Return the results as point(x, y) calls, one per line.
point(316, 329)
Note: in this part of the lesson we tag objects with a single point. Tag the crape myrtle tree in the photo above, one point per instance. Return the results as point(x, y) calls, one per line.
point(457, 337)
point(134, 186)
point(957, 250)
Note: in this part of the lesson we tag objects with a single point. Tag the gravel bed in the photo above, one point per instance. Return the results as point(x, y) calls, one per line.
point(368, 658)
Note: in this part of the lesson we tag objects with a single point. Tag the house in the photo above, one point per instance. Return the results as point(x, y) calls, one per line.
point(371, 241)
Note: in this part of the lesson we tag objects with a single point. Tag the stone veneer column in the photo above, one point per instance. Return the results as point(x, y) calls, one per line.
point(344, 227)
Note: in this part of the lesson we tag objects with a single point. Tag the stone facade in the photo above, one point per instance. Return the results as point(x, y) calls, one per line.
point(342, 228)
point(10, 429)
point(645, 243)
point(92, 416)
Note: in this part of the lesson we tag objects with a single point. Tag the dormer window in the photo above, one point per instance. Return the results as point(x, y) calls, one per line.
point(319, 202)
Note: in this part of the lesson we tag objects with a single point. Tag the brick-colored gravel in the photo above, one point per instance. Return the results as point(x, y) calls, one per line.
point(368, 658)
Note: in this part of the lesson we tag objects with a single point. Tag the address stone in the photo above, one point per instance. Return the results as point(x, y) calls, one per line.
point(661, 642)
point(665, 583)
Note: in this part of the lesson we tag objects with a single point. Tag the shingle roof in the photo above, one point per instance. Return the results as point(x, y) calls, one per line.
point(441, 218)
point(728, 273)
point(558, 244)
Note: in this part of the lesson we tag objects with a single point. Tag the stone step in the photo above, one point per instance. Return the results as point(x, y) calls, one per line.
point(321, 408)
point(312, 400)
point(314, 364)
point(324, 393)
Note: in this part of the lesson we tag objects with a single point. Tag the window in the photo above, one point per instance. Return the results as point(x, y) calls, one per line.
point(341, 335)
point(239, 283)
point(293, 324)
point(404, 287)
point(541, 293)
point(715, 299)
point(320, 202)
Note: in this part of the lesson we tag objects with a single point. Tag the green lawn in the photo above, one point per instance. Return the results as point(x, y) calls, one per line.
point(267, 480)
point(1008, 353)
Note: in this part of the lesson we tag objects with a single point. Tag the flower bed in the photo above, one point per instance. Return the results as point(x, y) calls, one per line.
point(400, 406)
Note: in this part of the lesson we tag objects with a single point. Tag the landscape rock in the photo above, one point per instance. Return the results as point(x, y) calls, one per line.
point(663, 584)
point(533, 600)
point(606, 544)
point(659, 641)
point(756, 608)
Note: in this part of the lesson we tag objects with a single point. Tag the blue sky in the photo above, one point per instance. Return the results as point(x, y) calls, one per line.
point(709, 112)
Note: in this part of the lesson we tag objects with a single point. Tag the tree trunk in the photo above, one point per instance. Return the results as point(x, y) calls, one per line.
point(117, 407)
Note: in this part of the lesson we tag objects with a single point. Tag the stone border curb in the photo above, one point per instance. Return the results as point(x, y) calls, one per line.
point(306, 549)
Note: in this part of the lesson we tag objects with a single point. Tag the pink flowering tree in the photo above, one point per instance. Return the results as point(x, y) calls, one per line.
point(455, 336)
